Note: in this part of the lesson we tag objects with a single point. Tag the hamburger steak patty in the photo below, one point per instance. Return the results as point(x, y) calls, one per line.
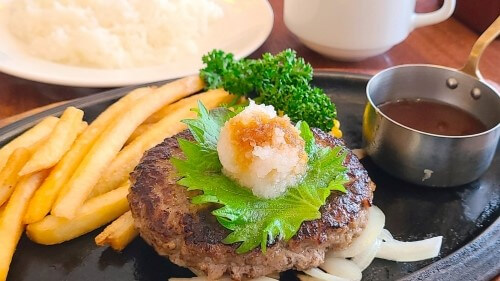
point(190, 236)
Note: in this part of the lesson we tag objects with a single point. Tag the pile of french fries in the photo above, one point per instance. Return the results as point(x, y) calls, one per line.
point(63, 178)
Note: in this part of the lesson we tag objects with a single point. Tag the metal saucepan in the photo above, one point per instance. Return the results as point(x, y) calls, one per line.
point(424, 158)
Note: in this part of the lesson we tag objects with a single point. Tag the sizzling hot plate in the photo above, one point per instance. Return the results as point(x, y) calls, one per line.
point(466, 216)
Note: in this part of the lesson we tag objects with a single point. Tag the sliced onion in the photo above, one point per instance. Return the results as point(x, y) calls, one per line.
point(386, 235)
point(320, 274)
point(410, 251)
point(365, 258)
point(342, 268)
point(197, 272)
point(304, 277)
point(375, 224)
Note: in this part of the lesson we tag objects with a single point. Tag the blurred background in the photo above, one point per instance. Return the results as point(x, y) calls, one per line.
point(447, 43)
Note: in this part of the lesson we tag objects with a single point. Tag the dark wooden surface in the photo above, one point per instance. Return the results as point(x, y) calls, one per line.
point(447, 43)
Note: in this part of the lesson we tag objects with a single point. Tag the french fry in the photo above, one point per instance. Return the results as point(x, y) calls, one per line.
point(107, 146)
point(44, 198)
point(28, 138)
point(157, 116)
point(95, 213)
point(9, 174)
point(83, 126)
point(124, 163)
point(162, 113)
point(11, 226)
point(166, 110)
point(58, 142)
point(144, 127)
point(119, 233)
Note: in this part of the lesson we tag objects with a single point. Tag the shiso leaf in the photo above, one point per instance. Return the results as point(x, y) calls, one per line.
point(308, 137)
point(207, 159)
point(206, 128)
point(338, 183)
point(255, 221)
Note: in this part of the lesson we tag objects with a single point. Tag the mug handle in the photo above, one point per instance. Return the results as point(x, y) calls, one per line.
point(423, 19)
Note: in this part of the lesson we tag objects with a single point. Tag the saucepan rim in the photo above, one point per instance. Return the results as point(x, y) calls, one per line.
point(376, 76)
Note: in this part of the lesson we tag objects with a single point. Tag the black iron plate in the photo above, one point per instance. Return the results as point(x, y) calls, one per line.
point(467, 216)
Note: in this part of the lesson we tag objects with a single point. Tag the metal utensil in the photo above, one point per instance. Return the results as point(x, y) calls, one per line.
point(429, 159)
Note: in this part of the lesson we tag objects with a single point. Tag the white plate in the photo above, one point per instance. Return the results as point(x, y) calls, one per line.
point(244, 27)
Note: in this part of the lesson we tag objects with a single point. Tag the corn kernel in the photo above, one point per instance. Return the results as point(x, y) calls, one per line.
point(336, 132)
point(336, 123)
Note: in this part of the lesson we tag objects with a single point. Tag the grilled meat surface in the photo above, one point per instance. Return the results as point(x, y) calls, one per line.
point(190, 236)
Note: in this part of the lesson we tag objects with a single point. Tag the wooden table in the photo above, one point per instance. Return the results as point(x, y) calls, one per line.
point(447, 43)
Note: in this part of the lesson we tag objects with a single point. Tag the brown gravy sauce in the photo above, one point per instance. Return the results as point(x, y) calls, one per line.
point(433, 117)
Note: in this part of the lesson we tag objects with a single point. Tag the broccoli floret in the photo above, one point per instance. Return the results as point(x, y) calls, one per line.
point(282, 81)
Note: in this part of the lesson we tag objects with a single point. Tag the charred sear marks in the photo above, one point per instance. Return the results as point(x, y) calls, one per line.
point(190, 236)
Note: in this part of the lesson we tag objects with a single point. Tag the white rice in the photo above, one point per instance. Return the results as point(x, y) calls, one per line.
point(274, 164)
point(111, 33)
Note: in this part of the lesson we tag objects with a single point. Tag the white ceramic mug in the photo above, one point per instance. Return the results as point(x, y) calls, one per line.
point(353, 30)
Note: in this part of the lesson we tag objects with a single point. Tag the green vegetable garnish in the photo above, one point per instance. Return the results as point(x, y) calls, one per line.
point(253, 220)
point(282, 81)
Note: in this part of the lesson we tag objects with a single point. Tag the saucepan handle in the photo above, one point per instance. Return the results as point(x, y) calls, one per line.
point(423, 19)
point(471, 66)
